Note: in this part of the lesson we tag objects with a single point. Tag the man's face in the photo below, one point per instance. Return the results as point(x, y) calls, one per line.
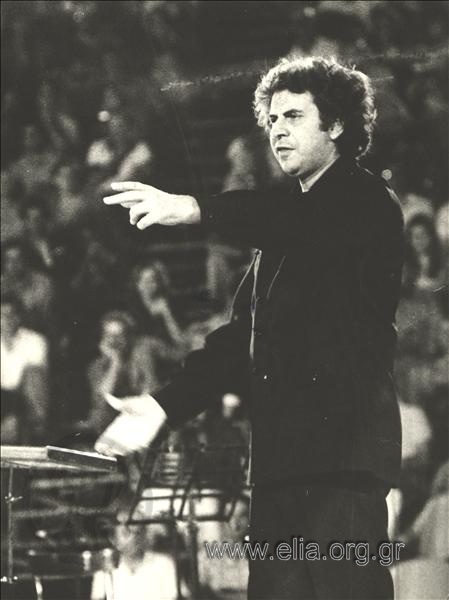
point(299, 144)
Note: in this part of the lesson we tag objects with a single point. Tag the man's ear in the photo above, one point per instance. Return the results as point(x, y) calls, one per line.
point(336, 129)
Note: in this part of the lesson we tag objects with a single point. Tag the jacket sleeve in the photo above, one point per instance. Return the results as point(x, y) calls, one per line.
point(352, 217)
point(220, 366)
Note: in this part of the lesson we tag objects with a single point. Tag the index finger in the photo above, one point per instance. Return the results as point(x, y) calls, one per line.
point(125, 198)
point(123, 186)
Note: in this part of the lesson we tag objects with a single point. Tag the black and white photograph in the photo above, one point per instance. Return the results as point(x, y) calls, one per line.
point(224, 300)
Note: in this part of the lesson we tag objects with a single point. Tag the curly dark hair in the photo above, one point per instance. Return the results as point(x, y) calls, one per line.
point(340, 93)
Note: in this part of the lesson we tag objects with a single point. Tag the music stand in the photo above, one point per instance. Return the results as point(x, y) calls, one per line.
point(183, 483)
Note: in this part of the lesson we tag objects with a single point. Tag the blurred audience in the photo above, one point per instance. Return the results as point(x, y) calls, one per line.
point(152, 307)
point(95, 285)
point(37, 221)
point(248, 168)
point(146, 569)
point(22, 276)
point(58, 119)
point(125, 367)
point(121, 155)
point(245, 170)
point(150, 304)
point(24, 377)
point(423, 261)
point(36, 164)
point(423, 345)
point(71, 203)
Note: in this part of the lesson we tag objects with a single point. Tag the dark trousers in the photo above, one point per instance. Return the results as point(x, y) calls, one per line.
point(321, 513)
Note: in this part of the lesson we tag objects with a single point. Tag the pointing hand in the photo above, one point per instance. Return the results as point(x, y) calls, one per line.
point(149, 206)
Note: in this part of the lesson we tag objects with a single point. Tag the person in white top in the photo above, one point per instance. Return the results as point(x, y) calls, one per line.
point(142, 573)
point(24, 377)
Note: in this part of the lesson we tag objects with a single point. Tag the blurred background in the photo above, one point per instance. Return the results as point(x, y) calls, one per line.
point(161, 92)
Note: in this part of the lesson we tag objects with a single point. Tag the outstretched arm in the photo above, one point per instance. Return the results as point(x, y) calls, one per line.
point(358, 216)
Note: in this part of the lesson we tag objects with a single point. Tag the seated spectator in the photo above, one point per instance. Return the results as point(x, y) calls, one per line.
point(248, 168)
point(152, 308)
point(121, 155)
point(24, 377)
point(423, 253)
point(71, 204)
point(150, 305)
point(34, 287)
point(57, 117)
point(37, 231)
point(146, 571)
point(420, 318)
point(93, 287)
point(37, 163)
point(56, 250)
point(125, 367)
point(243, 170)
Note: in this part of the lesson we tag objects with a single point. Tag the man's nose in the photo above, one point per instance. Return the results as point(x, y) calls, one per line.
point(279, 129)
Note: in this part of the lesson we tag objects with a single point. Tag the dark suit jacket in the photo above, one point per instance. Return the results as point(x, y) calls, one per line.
point(322, 396)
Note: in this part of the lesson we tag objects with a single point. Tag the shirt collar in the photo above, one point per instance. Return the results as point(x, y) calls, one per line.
point(312, 179)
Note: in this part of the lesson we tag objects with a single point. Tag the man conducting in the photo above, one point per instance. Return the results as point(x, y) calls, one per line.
point(312, 335)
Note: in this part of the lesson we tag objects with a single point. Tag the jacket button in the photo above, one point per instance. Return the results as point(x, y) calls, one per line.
point(315, 378)
point(265, 377)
